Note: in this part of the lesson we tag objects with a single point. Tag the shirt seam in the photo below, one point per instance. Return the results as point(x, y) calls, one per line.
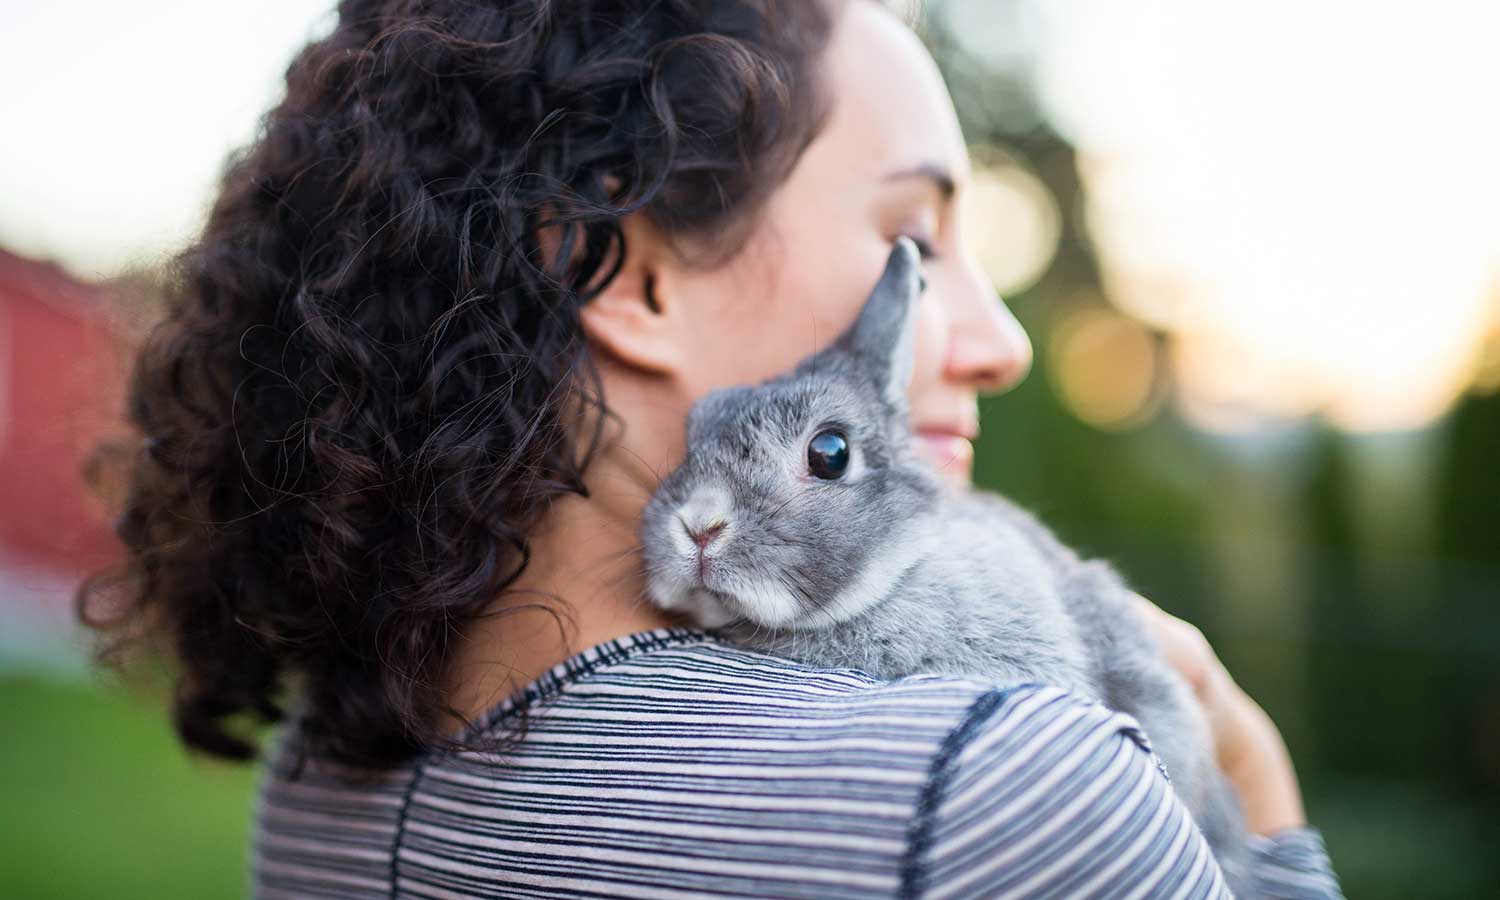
point(396, 839)
point(940, 772)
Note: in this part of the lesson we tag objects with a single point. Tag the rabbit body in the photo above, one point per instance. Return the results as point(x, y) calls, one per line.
point(883, 568)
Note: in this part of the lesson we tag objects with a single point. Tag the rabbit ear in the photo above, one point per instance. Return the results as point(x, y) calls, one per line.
point(879, 345)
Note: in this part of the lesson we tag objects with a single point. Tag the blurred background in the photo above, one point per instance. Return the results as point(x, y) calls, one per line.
point(1257, 248)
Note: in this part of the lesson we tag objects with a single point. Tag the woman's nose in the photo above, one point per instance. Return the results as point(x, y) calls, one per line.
point(987, 347)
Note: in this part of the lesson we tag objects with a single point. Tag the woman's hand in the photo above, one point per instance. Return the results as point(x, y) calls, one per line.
point(1249, 748)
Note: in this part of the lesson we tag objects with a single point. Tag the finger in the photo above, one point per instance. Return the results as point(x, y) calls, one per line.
point(1184, 646)
point(1153, 616)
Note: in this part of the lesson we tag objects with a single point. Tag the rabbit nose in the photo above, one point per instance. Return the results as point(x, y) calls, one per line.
point(705, 535)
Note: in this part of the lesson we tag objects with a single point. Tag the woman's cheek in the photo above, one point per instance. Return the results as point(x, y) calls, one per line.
point(930, 346)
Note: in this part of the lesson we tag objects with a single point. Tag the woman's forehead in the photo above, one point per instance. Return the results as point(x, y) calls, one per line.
point(890, 109)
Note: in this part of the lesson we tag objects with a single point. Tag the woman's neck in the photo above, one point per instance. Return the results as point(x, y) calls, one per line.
point(585, 553)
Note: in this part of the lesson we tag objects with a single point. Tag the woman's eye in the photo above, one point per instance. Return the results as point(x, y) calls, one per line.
point(828, 455)
point(924, 246)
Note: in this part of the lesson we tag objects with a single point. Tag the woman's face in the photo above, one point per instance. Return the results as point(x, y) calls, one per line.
point(890, 161)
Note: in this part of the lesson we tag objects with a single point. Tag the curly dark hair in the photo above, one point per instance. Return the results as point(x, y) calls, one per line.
point(366, 385)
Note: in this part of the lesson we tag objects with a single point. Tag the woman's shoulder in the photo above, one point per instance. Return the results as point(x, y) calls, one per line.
point(709, 662)
point(671, 682)
point(688, 671)
point(932, 774)
point(760, 757)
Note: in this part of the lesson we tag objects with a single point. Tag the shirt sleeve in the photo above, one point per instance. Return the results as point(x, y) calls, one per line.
point(1041, 793)
point(1293, 865)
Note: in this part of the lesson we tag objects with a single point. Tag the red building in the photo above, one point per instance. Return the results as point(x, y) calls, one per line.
point(62, 372)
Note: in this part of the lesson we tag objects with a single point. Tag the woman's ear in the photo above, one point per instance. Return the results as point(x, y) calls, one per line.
point(635, 319)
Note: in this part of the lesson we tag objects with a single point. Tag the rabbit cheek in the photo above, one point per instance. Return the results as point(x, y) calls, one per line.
point(766, 602)
point(709, 612)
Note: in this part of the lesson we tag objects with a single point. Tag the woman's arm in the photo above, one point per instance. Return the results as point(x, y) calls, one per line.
point(1249, 748)
point(1039, 792)
point(1289, 858)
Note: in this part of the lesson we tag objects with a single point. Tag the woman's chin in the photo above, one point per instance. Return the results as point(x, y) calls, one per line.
point(952, 456)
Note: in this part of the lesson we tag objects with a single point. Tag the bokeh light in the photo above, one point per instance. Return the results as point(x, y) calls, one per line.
point(1011, 221)
point(1487, 367)
point(1104, 367)
point(1285, 206)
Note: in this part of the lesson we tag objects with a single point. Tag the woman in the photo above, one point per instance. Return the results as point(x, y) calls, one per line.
point(422, 370)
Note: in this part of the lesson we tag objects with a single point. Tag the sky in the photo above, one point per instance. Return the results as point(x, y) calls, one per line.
point(117, 117)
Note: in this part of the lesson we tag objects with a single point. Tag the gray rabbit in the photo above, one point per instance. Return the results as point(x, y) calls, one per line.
point(803, 524)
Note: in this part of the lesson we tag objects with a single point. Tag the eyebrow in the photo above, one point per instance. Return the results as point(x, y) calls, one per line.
point(937, 173)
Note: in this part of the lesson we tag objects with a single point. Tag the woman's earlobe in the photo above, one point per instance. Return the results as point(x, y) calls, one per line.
point(629, 321)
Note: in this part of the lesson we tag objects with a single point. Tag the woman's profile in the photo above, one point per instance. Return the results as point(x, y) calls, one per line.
point(421, 373)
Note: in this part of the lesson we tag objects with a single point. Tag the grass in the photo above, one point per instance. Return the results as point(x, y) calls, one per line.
point(101, 801)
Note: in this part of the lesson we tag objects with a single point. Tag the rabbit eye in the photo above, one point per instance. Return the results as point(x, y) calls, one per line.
point(828, 455)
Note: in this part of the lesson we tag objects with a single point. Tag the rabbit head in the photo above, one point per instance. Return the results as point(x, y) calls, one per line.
point(801, 501)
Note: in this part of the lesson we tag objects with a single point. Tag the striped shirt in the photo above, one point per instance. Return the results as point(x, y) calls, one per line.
point(667, 764)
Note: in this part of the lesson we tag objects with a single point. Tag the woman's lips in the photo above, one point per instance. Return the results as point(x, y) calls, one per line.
point(950, 452)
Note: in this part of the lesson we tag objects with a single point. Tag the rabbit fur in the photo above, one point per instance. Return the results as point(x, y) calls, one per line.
point(888, 570)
